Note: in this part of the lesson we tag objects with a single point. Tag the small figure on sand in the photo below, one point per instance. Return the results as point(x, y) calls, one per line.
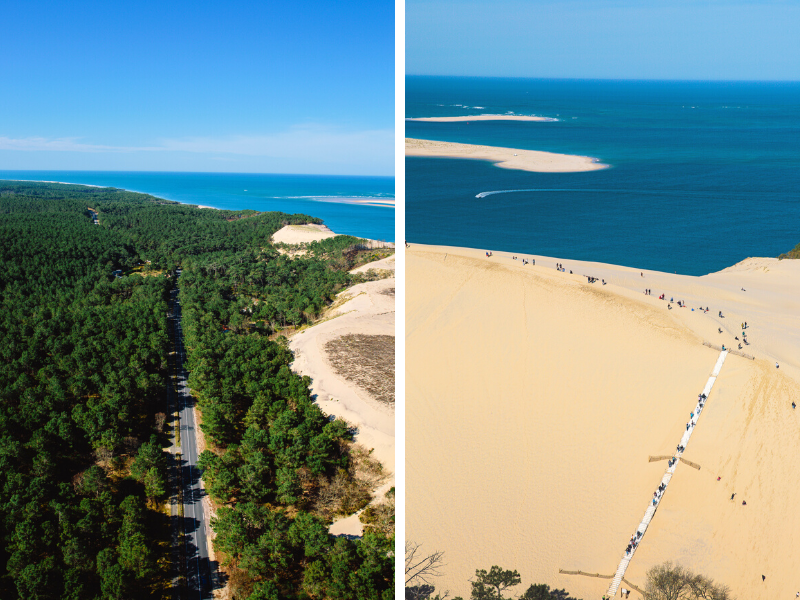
point(744, 503)
point(732, 495)
point(718, 478)
point(777, 366)
point(794, 405)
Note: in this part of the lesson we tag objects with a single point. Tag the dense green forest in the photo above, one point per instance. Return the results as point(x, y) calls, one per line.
point(83, 382)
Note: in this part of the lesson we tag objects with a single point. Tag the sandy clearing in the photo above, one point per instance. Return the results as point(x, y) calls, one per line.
point(506, 158)
point(367, 311)
point(301, 234)
point(480, 118)
point(352, 525)
point(384, 264)
point(533, 400)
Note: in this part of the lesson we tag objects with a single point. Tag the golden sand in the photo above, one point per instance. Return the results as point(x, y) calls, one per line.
point(301, 234)
point(533, 400)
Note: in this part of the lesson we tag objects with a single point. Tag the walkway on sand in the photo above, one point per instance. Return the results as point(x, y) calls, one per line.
point(655, 501)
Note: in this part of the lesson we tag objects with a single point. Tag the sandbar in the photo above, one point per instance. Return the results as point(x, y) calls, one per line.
point(386, 202)
point(534, 399)
point(480, 118)
point(507, 158)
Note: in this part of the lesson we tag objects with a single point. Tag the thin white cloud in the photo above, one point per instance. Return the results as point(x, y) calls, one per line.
point(39, 144)
point(297, 142)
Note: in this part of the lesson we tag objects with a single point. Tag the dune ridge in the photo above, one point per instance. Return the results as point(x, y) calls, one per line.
point(535, 398)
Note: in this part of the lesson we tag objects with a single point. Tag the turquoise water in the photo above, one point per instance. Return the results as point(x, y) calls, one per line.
point(703, 174)
point(320, 196)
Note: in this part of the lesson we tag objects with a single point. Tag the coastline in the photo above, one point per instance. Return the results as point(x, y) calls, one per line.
point(506, 158)
point(60, 182)
point(380, 202)
point(554, 391)
point(481, 118)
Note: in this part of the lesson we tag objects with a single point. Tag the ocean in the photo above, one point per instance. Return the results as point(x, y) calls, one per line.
point(703, 174)
point(325, 196)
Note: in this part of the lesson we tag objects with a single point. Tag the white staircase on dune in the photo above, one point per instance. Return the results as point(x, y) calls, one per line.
point(651, 507)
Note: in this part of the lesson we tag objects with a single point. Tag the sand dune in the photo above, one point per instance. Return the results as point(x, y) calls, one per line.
point(479, 118)
point(506, 158)
point(364, 309)
point(301, 234)
point(535, 398)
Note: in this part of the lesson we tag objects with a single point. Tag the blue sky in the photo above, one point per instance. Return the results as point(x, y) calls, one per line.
point(605, 39)
point(260, 87)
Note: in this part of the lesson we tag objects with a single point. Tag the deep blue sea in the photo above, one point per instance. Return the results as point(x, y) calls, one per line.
point(323, 196)
point(703, 174)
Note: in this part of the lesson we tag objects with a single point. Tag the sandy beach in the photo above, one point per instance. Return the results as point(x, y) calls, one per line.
point(479, 118)
point(366, 309)
point(506, 158)
point(535, 398)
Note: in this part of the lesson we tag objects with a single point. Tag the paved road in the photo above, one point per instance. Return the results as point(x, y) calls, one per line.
point(196, 539)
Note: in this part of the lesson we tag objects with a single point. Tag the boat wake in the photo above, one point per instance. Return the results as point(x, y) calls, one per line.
point(492, 193)
point(690, 193)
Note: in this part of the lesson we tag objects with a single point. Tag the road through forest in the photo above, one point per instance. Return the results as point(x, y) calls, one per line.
point(192, 529)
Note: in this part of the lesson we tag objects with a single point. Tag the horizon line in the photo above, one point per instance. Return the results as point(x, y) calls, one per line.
point(606, 78)
point(184, 172)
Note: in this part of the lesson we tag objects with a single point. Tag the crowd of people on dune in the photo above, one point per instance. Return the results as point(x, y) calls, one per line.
point(648, 292)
